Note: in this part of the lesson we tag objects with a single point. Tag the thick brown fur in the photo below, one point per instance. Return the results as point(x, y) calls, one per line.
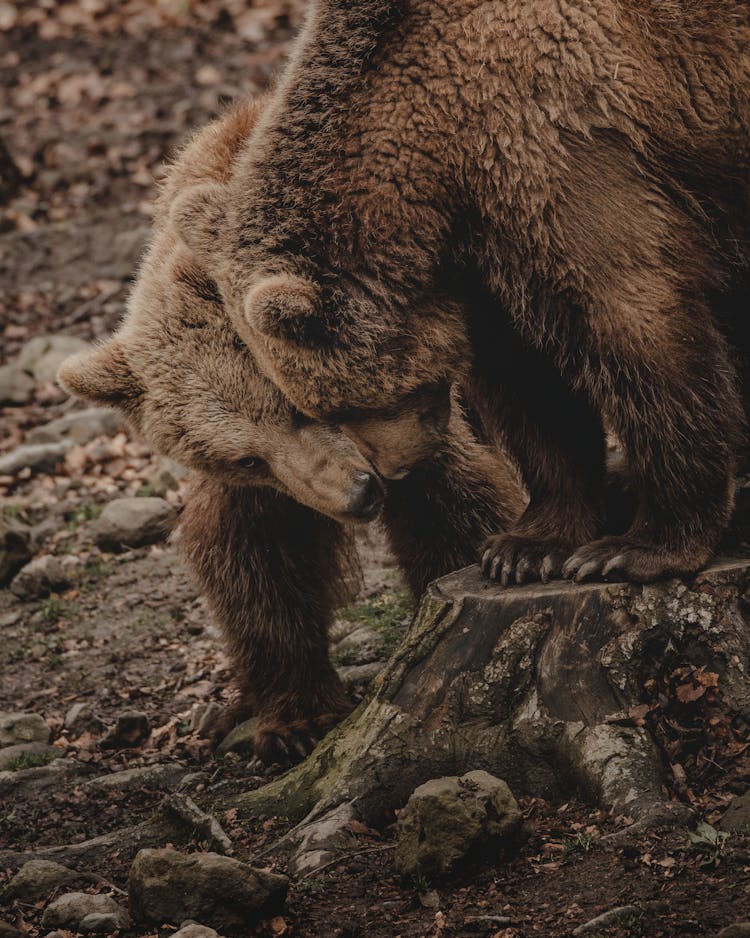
point(589, 160)
point(269, 543)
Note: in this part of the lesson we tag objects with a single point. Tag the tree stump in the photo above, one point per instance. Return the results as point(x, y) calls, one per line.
point(535, 684)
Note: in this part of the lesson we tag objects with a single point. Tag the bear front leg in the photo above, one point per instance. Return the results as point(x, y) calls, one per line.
point(556, 439)
point(272, 571)
point(672, 396)
point(440, 514)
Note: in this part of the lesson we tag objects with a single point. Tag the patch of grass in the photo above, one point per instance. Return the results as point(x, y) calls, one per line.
point(344, 657)
point(150, 619)
point(30, 760)
point(55, 608)
point(95, 570)
point(146, 491)
point(581, 843)
point(386, 614)
point(53, 661)
point(78, 516)
point(12, 512)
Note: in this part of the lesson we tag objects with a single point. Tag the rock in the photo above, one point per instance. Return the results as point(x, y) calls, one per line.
point(204, 718)
point(80, 426)
point(357, 675)
point(16, 387)
point(147, 776)
point(22, 727)
point(166, 886)
point(239, 739)
point(15, 549)
point(132, 729)
point(70, 910)
point(28, 781)
point(182, 808)
point(36, 880)
point(448, 819)
point(27, 755)
point(168, 476)
point(194, 930)
point(39, 457)
point(361, 646)
point(740, 930)
point(134, 522)
point(80, 719)
point(104, 923)
point(44, 575)
point(737, 815)
point(319, 841)
point(9, 931)
point(43, 355)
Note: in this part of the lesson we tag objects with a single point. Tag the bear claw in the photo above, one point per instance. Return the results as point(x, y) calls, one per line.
point(513, 560)
point(620, 558)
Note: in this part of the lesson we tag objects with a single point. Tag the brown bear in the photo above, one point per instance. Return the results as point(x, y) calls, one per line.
point(266, 527)
point(587, 163)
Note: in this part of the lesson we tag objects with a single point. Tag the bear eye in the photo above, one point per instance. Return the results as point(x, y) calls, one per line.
point(251, 463)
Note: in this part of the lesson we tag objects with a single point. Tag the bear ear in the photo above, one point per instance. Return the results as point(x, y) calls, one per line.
point(197, 214)
point(102, 375)
point(286, 306)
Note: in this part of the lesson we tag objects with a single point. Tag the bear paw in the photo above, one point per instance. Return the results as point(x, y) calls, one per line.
point(510, 559)
point(285, 743)
point(625, 558)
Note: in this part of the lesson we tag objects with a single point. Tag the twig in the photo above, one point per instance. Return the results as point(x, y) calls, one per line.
point(347, 856)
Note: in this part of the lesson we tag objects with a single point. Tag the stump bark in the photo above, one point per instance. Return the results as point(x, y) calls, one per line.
point(534, 684)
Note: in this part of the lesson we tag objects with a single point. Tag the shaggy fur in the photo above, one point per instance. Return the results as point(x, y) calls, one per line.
point(590, 159)
point(270, 540)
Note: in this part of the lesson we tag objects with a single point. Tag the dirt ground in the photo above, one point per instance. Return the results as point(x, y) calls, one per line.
point(94, 95)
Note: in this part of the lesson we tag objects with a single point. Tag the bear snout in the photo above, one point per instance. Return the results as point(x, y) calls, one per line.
point(366, 496)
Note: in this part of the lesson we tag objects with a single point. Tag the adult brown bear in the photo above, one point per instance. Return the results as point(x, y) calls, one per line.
point(589, 159)
point(267, 525)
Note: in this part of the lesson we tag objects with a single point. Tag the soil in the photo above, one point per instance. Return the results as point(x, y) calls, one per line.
point(93, 98)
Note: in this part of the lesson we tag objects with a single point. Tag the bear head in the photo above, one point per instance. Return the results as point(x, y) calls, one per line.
point(343, 352)
point(184, 379)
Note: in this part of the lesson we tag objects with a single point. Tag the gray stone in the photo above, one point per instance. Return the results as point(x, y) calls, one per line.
point(740, 930)
point(361, 646)
point(43, 355)
point(166, 886)
point(29, 755)
point(737, 815)
point(81, 719)
point(204, 719)
point(448, 819)
point(360, 674)
point(134, 522)
point(36, 880)
point(40, 577)
point(39, 457)
point(16, 387)
point(80, 426)
point(104, 923)
point(70, 910)
point(194, 930)
point(15, 549)
point(194, 781)
point(239, 739)
point(29, 781)
point(146, 776)
point(132, 728)
point(22, 727)
point(322, 839)
point(168, 476)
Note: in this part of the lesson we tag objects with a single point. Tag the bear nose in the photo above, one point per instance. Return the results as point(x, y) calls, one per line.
point(366, 496)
